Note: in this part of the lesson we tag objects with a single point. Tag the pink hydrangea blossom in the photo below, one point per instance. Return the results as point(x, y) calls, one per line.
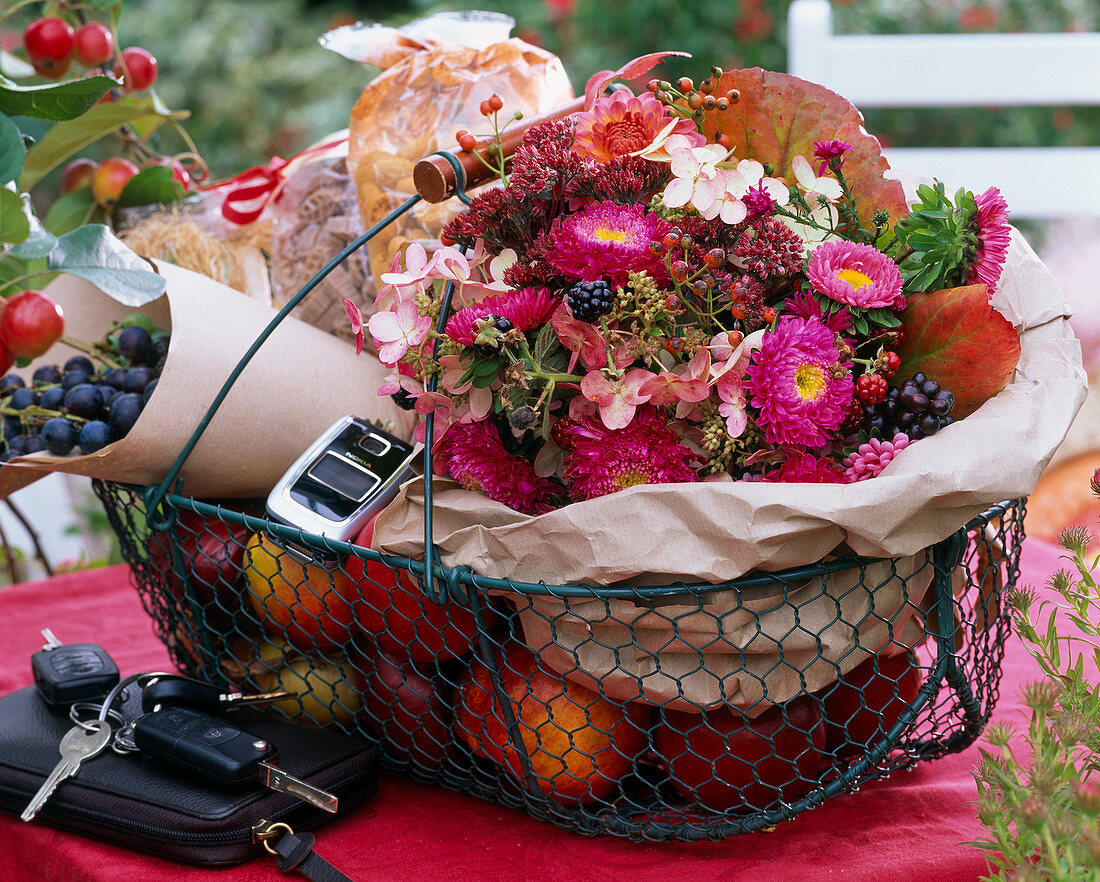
point(616, 396)
point(395, 331)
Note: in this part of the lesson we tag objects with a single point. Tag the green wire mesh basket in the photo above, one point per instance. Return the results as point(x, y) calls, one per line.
point(680, 711)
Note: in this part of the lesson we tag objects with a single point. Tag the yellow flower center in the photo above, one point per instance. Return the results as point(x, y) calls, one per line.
point(606, 234)
point(854, 278)
point(630, 478)
point(809, 381)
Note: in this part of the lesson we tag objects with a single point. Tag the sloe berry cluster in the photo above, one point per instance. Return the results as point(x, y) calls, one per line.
point(77, 405)
point(590, 300)
point(918, 408)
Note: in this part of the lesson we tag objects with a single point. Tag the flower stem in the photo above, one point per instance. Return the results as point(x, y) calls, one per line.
point(95, 350)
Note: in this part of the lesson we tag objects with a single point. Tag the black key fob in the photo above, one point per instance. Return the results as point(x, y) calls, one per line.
point(206, 746)
point(72, 672)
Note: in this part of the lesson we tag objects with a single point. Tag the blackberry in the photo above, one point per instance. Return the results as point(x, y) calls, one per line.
point(590, 300)
point(402, 399)
point(503, 326)
point(918, 408)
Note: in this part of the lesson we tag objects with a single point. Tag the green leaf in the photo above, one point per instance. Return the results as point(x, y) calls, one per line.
point(12, 151)
point(15, 222)
point(484, 382)
point(38, 244)
point(54, 101)
point(94, 253)
point(151, 186)
point(70, 137)
point(70, 211)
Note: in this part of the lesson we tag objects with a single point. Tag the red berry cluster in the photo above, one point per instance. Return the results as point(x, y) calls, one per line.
point(52, 45)
point(466, 140)
point(872, 388)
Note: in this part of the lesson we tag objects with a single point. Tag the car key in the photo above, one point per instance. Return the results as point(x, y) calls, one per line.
point(219, 752)
point(80, 743)
point(66, 673)
point(178, 690)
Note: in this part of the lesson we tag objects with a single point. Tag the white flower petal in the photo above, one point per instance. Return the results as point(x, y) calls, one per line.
point(678, 192)
point(804, 173)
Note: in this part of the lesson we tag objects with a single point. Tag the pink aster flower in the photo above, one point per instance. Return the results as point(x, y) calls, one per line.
point(991, 223)
point(871, 458)
point(803, 305)
point(805, 468)
point(621, 124)
point(472, 454)
point(645, 451)
point(792, 380)
point(608, 241)
point(526, 309)
point(827, 150)
point(758, 201)
point(859, 275)
point(616, 397)
point(394, 332)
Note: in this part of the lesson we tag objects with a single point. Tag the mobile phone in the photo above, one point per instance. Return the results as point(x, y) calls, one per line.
point(343, 479)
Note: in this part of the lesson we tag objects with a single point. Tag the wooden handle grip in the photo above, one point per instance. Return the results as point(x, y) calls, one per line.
point(435, 179)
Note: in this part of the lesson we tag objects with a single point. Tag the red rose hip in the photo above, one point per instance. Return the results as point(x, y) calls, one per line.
point(93, 44)
point(30, 324)
point(138, 69)
point(49, 45)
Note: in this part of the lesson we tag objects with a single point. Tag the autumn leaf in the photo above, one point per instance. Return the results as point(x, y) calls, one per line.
point(778, 117)
point(956, 338)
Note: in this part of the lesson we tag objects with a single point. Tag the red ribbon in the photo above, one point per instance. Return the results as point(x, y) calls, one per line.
point(250, 191)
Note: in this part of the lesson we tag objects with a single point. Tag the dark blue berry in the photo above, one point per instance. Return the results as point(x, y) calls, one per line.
point(94, 435)
point(115, 377)
point(135, 345)
point(79, 363)
point(137, 378)
point(21, 399)
point(12, 426)
point(75, 378)
point(59, 436)
point(18, 445)
point(160, 348)
point(46, 375)
point(33, 444)
point(590, 300)
point(125, 410)
point(403, 399)
point(148, 393)
point(10, 383)
point(84, 401)
point(52, 398)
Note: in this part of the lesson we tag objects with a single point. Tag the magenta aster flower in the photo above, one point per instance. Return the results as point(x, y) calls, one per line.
point(804, 305)
point(871, 458)
point(991, 222)
point(859, 275)
point(526, 309)
point(758, 201)
point(826, 150)
point(793, 380)
point(473, 455)
point(603, 460)
point(608, 241)
point(805, 468)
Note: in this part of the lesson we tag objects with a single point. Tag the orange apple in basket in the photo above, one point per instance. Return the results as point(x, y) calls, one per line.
point(723, 761)
point(866, 702)
point(305, 604)
point(580, 743)
point(394, 612)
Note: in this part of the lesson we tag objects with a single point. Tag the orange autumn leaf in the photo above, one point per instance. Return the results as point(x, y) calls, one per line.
point(779, 116)
point(956, 338)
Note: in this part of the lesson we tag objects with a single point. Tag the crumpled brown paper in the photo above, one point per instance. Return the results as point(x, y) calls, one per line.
point(300, 382)
point(711, 532)
point(431, 86)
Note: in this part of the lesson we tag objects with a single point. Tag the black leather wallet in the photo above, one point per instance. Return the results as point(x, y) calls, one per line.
point(140, 803)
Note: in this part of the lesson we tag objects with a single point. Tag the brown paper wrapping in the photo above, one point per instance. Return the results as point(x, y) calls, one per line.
point(299, 382)
point(415, 107)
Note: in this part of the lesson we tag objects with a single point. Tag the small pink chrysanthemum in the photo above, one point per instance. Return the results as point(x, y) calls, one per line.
point(871, 458)
point(806, 468)
point(620, 124)
point(608, 241)
point(990, 222)
point(473, 455)
point(859, 275)
point(758, 201)
point(603, 460)
point(793, 381)
point(526, 309)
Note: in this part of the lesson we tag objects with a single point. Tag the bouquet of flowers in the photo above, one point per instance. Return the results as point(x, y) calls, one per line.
point(692, 284)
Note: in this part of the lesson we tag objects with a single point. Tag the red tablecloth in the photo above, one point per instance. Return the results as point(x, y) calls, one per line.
point(908, 827)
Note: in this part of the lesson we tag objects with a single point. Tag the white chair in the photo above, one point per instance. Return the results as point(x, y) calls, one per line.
point(955, 70)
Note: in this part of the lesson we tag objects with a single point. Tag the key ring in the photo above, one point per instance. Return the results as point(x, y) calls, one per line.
point(90, 707)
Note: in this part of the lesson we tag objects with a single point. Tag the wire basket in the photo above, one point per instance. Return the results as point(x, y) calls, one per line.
point(489, 689)
point(668, 712)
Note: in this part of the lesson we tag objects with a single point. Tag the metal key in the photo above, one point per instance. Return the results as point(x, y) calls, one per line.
point(78, 745)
